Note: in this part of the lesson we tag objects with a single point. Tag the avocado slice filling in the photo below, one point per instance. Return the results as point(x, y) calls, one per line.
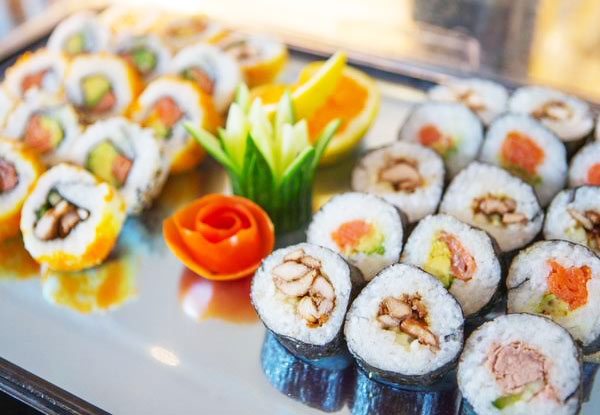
point(143, 59)
point(98, 93)
point(108, 163)
point(75, 44)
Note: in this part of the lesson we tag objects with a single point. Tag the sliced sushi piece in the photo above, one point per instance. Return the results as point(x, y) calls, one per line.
point(79, 33)
point(463, 258)
point(7, 103)
point(40, 71)
point(451, 129)
point(214, 71)
point(302, 293)
point(49, 126)
point(407, 175)
point(261, 58)
point(19, 171)
point(526, 148)
point(123, 20)
point(485, 98)
point(71, 220)
point(364, 228)
point(126, 156)
point(574, 215)
point(585, 166)
point(179, 31)
point(146, 53)
point(561, 280)
point(520, 364)
point(405, 327)
point(165, 104)
point(488, 197)
point(101, 85)
point(568, 117)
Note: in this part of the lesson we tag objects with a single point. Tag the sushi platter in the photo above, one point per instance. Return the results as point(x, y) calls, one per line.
point(196, 219)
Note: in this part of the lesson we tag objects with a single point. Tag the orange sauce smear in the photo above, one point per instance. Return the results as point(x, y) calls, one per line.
point(593, 175)
point(15, 261)
point(569, 284)
point(349, 234)
point(521, 151)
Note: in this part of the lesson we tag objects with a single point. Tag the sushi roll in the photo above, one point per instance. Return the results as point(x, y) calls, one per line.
point(71, 220)
point(520, 364)
point(488, 197)
point(585, 166)
point(451, 129)
point(529, 150)
point(126, 156)
point(302, 293)
point(404, 327)
point(40, 71)
point(19, 171)
point(214, 71)
point(568, 117)
point(365, 229)
point(48, 125)
point(101, 85)
point(79, 33)
point(124, 20)
point(164, 106)
point(261, 58)
point(561, 280)
point(574, 215)
point(7, 103)
point(146, 53)
point(406, 175)
point(485, 98)
point(463, 258)
point(179, 31)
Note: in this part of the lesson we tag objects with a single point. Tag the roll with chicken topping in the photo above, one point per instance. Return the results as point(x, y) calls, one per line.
point(302, 293)
point(40, 71)
point(584, 168)
point(181, 30)
point(79, 33)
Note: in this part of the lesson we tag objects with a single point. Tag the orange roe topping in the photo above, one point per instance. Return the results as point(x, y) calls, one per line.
point(593, 175)
point(521, 151)
point(349, 234)
point(429, 135)
point(569, 284)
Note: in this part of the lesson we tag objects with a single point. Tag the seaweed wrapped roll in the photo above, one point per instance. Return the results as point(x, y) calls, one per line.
point(40, 71)
point(585, 166)
point(79, 33)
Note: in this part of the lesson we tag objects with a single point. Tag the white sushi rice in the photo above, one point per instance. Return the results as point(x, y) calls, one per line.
point(58, 110)
point(484, 97)
point(573, 123)
point(149, 42)
point(582, 161)
point(6, 105)
point(478, 384)
point(480, 179)
point(95, 33)
point(378, 347)
point(451, 119)
point(560, 224)
point(551, 173)
point(352, 206)
point(218, 65)
point(527, 283)
point(279, 314)
point(417, 204)
point(479, 290)
point(149, 169)
point(49, 60)
point(26, 173)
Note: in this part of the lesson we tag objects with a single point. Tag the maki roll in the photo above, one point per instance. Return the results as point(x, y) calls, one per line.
point(574, 215)
point(568, 117)
point(302, 293)
point(404, 327)
point(47, 125)
point(122, 20)
point(463, 258)
point(561, 280)
point(179, 31)
point(485, 98)
point(527, 149)
point(406, 175)
point(364, 228)
point(212, 70)
point(101, 85)
point(126, 156)
point(79, 33)
point(164, 106)
point(19, 171)
point(520, 364)
point(494, 200)
point(146, 53)
point(585, 166)
point(71, 220)
point(39, 71)
point(451, 129)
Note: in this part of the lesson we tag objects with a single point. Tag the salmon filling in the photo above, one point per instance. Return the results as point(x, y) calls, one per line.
point(590, 222)
point(569, 284)
point(8, 176)
point(201, 78)
point(401, 174)
point(43, 133)
point(359, 236)
point(498, 210)
point(553, 110)
point(430, 136)
point(448, 260)
point(33, 80)
point(164, 116)
point(57, 217)
point(593, 175)
point(301, 280)
point(521, 155)
point(98, 94)
point(407, 316)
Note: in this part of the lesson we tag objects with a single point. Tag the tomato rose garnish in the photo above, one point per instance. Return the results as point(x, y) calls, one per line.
point(220, 237)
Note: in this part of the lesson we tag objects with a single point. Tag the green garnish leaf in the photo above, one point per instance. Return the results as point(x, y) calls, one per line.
point(235, 134)
point(261, 131)
point(211, 144)
point(242, 97)
point(324, 139)
point(257, 175)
